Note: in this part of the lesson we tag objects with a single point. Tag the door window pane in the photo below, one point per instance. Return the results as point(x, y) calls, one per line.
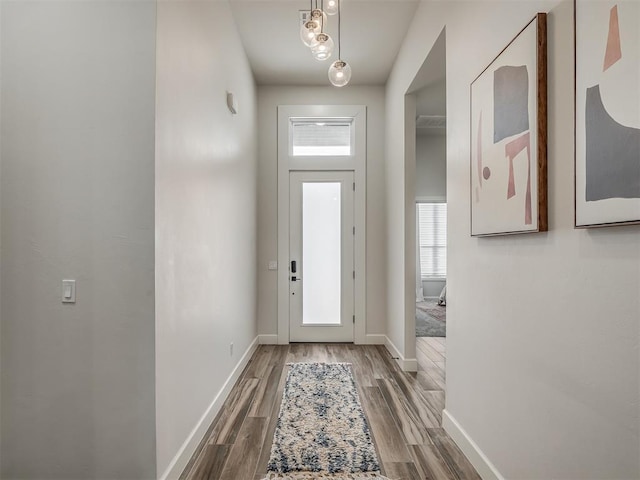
point(321, 253)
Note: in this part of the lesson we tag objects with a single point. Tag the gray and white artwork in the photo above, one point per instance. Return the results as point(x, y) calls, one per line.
point(607, 112)
point(504, 141)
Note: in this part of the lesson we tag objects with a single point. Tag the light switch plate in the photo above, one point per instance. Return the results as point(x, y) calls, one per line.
point(68, 291)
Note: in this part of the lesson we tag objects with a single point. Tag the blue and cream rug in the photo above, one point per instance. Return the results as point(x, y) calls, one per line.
point(322, 431)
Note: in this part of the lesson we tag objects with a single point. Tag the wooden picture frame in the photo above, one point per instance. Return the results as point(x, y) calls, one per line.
point(508, 184)
point(607, 94)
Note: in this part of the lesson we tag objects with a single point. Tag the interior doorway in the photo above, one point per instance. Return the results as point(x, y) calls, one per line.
point(427, 95)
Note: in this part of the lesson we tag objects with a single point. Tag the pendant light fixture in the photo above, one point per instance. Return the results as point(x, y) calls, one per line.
point(323, 47)
point(308, 32)
point(339, 71)
point(313, 25)
point(314, 36)
point(318, 15)
point(332, 7)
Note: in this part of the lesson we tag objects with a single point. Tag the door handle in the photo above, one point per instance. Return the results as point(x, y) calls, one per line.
point(293, 266)
point(296, 279)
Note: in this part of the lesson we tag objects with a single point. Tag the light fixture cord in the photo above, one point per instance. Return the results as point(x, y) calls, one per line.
point(322, 17)
point(339, 55)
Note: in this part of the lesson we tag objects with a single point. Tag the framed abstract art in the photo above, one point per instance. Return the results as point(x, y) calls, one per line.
point(509, 137)
point(607, 117)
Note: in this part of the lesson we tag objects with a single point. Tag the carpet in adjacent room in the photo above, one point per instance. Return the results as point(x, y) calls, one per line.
point(431, 319)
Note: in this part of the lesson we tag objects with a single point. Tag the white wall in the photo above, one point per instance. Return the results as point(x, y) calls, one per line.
point(431, 166)
point(205, 215)
point(269, 97)
point(77, 169)
point(543, 364)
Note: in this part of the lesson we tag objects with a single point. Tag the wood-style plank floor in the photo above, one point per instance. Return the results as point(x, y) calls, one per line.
point(403, 409)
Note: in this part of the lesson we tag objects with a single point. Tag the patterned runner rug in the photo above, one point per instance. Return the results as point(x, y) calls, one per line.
point(322, 431)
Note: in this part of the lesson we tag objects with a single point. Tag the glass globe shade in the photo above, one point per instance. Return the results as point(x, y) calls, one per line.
point(323, 48)
point(339, 73)
point(331, 7)
point(320, 17)
point(308, 32)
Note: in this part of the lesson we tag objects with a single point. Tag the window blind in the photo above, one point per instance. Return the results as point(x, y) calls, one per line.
point(321, 138)
point(432, 234)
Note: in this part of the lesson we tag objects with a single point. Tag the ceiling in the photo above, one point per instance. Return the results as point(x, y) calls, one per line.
point(430, 90)
point(372, 32)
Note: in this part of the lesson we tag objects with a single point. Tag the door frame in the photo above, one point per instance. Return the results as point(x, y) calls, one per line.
point(356, 163)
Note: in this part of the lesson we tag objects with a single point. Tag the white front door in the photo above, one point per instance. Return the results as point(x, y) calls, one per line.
point(321, 265)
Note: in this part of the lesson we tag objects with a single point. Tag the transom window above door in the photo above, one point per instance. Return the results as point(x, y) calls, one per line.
point(321, 137)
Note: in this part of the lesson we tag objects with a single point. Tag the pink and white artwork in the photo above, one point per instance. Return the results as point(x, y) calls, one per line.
point(508, 138)
point(607, 112)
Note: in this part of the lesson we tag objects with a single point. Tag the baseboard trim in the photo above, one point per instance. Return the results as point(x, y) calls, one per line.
point(375, 339)
point(406, 364)
point(478, 459)
point(179, 462)
point(369, 339)
point(268, 339)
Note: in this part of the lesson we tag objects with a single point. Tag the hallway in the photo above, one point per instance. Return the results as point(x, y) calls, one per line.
point(404, 410)
point(140, 163)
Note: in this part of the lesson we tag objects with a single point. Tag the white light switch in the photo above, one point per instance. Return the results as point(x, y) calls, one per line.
point(68, 291)
point(273, 265)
